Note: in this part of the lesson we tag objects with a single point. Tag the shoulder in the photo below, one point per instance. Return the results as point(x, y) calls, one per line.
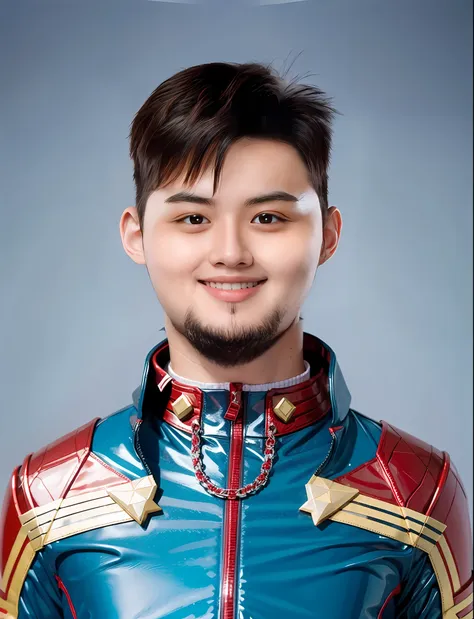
point(64, 468)
point(72, 463)
point(423, 478)
point(65, 472)
point(43, 479)
point(56, 469)
point(404, 469)
point(419, 486)
point(425, 481)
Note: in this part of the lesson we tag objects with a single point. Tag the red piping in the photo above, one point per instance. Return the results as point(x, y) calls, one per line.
point(17, 561)
point(62, 586)
point(465, 611)
point(395, 592)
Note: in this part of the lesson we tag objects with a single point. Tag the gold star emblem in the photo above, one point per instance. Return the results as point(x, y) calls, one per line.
point(325, 498)
point(136, 497)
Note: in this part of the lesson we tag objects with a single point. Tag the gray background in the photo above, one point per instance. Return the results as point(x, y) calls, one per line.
point(77, 317)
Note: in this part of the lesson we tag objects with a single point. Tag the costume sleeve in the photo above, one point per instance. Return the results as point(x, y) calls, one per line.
point(440, 583)
point(40, 596)
point(420, 597)
point(27, 585)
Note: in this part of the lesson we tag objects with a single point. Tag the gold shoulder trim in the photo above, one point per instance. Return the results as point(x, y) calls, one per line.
point(399, 523)
point(131, 500)
point(16, 569)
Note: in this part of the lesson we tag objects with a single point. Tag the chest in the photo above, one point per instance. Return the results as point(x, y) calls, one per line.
point(284, 566)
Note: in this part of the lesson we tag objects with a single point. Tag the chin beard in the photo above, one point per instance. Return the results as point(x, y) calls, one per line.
point(230, 349)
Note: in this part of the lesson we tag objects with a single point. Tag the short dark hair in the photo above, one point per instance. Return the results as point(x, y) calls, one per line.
point(190, 120)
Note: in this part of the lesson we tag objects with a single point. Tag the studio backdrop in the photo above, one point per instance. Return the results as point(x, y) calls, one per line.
point(77, 317)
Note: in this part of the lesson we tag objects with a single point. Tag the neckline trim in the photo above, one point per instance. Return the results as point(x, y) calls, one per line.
point(149, 401)
point(288, 382)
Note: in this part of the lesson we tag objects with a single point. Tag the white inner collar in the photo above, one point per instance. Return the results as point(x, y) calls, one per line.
point(226, 386)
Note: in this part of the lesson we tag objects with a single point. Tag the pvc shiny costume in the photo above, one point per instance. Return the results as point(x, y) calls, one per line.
point(237, 504)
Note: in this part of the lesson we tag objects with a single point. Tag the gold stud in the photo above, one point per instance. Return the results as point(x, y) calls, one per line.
point(182, 407)
point(284, 410)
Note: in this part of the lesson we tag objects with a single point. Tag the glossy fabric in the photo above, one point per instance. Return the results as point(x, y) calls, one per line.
point(286, 567)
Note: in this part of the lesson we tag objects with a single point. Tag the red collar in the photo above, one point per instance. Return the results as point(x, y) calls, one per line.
point(311, 398)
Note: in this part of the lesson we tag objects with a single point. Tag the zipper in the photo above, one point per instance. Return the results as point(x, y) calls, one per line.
point(231, 538)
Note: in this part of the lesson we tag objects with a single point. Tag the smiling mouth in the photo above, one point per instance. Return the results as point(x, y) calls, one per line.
point(232, 286)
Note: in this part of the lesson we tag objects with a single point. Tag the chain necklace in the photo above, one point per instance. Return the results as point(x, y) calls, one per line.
point(229, 493)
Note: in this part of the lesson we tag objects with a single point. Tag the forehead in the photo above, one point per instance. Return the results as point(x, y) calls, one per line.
point(252, 165)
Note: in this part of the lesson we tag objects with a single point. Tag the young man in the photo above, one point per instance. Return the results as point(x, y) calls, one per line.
point(240, 483)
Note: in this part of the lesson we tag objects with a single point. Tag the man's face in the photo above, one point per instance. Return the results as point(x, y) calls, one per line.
point(252, 231)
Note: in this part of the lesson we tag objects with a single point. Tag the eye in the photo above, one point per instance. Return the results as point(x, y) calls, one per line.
point(194, 219)
point(266, 218)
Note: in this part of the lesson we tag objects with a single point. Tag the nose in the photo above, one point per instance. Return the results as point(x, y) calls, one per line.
point(228, 245)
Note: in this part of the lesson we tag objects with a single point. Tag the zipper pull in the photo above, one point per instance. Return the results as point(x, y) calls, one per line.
point(235, 401)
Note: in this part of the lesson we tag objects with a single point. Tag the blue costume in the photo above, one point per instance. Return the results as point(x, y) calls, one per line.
point(233, 503)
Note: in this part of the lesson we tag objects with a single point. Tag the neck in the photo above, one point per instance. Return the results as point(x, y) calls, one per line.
point(282, 361)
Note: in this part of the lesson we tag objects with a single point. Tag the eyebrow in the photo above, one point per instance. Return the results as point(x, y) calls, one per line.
point(274, 196)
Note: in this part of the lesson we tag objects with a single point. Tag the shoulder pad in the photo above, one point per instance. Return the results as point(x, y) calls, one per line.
point(424, 486)
point(65, 468)
point(404, 471)
point(47, 475)
point(14, 549)
point(44, 477)
point(37, 505)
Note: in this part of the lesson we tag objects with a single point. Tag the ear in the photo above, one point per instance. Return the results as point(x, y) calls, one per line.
point(131, 234)
point(331, 234)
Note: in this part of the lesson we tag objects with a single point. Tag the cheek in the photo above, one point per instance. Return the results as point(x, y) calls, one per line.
point(168, 257)
point(293, 261)
point(297, 270)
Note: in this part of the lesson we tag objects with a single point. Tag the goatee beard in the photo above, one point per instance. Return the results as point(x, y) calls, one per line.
point(231, 348)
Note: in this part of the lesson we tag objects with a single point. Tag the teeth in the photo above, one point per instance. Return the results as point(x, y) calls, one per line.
point(232, 286)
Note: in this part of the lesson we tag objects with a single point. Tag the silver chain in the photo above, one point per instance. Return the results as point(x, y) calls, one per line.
point(231, 493)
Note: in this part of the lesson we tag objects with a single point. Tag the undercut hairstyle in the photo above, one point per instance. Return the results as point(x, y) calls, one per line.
point(192, 118)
